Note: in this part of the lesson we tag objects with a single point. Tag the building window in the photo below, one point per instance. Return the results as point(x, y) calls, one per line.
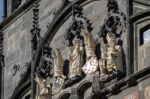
point(12, 5)
point(8, 7)
point(146, 37)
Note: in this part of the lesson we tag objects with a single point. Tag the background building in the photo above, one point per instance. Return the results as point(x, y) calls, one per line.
point(30, 25)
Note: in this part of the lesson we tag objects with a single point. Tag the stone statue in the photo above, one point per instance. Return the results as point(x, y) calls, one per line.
point(114, 51)
point(76, 58)
point(58, 64)
point(58, 72)
point(91, 65)
point(45, 90)
point(103, 60)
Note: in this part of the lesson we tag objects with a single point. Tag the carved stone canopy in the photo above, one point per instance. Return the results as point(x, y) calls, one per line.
point(78, 21)
point(45, 65)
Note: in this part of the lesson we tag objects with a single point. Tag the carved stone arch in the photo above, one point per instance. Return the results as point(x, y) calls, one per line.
point(83, 87)
point(140, 15)
point(54, 27)
point(22, 90)
point(64, 95)
point(57, 22)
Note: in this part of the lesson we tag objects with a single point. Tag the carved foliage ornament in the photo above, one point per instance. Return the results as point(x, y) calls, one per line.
point(115, 21)
point(76, 25)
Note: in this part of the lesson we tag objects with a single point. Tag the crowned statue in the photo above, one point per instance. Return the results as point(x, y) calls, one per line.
point(76, 58)
point(114, 51)
point(103, 59)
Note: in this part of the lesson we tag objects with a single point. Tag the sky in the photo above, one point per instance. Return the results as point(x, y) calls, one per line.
point(147, 36)
point(1, 3)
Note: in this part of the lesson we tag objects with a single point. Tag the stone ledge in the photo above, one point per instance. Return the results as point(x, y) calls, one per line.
point(88, 79)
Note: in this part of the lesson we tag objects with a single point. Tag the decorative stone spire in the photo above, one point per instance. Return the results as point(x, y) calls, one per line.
point(35, 30)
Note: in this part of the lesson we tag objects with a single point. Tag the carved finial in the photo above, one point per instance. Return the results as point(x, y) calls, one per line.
point(112, 6)
point(35, 31)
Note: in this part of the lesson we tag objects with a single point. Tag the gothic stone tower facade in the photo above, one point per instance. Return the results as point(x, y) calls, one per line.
point(75, 49)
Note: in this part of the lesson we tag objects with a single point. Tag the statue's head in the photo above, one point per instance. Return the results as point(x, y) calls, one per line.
point(76, 41)
point(111, 39)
